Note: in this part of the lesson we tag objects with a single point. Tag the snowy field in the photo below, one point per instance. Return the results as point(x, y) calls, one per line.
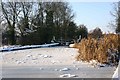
point(56, 62)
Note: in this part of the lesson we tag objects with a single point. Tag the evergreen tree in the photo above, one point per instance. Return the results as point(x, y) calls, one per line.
point(82, 31)
point(71, 30)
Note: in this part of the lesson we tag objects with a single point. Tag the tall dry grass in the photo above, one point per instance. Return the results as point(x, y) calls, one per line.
point(103, 49)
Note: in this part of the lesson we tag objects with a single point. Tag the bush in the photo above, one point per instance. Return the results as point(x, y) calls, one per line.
point(103, 49)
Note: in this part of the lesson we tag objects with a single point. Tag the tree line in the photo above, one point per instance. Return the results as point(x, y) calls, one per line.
point(38, 22)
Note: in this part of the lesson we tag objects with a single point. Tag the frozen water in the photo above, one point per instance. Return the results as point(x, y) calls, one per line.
point(18, 47)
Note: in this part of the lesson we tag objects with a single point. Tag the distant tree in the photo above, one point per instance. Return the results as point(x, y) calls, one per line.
point(52, 19)
point(71, 30)
point(67, 17)
point(49, 25)
point(96, 33)
point(82, 31)
point(116, 14)
point(24, 20)
point(39, 21)
point(118, 19)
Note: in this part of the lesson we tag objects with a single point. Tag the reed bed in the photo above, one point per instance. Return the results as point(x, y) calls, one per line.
point(103, 50)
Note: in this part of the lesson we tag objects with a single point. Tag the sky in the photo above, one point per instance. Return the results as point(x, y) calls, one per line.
point(93, 14)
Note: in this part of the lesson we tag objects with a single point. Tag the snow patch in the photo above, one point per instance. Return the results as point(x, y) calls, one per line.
point(115, 75)
point(71, 45)
point(56, 70)
point(41, 68)
point(64, 69)
point(45, 56)
point(19, 62)
point(68, 76)
point(18, 47)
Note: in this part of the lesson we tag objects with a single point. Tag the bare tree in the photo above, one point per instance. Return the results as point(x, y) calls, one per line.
point(10, 12)
point(96, 33)
point(24, 19)
point(116, 15)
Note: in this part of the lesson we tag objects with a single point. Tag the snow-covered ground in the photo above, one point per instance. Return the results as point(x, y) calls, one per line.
point(57, 62)
point(40, 56)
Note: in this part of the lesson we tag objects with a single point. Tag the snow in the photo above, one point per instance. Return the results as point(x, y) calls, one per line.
point(77, 68)
point(71, 45)
point(64, 69)
point(18, 47)
point(93, 62)
point(41, 68)
point(19, 62)
point(57, 61)
point(46, 56)
point(34, 58)
point(67, 76)
point(115, 75)
point(29, 55)
point(56, 70)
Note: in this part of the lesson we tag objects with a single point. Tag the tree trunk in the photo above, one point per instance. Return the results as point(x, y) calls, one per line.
point(12, 37)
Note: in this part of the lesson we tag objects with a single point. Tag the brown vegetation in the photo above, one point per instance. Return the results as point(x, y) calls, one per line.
point(103, 49)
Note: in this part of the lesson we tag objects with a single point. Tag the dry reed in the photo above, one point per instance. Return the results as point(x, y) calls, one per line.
point(101, 49)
